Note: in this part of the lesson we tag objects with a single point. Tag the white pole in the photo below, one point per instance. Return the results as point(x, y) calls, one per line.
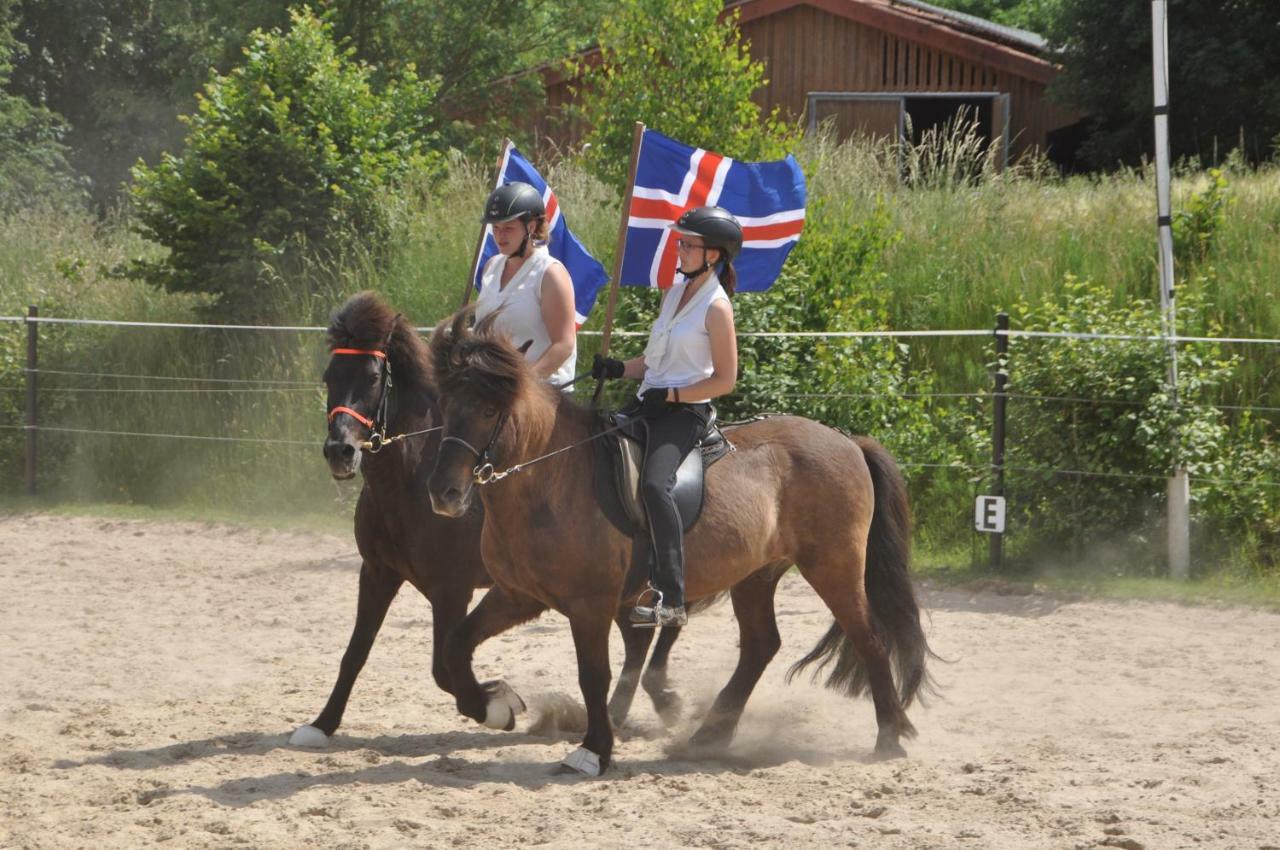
point(1178, 490)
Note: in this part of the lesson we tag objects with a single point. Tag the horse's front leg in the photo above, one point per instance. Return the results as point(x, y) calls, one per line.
point(494, 703)
point(591, 640)
point(377, 588)
point(448, 610)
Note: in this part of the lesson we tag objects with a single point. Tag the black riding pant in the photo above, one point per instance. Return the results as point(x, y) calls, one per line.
point(672, 435)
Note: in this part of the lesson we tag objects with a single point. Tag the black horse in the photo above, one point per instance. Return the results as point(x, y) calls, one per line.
point(379, 386)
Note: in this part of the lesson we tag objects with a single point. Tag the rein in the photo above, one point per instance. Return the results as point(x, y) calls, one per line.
point(484, 473)
point(378, 439)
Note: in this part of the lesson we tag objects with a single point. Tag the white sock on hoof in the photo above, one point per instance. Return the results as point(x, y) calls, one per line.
point(308, 736)
point(584, 761)
point(498, 714)
point(503, 706)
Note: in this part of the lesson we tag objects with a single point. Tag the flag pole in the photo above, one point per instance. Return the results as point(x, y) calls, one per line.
point(484, 228)
point(624, 218)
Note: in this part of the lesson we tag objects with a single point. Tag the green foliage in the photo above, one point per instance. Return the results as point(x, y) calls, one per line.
point(1197, 224)
point(33, 163)
point(1219, 51)
point(285, 160)
point(673, 65)
point(1102, 407)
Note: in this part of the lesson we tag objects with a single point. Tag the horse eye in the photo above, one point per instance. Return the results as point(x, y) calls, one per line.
point(490, 412)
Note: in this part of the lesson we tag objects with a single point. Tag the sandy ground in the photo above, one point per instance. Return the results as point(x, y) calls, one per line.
point(150, 674)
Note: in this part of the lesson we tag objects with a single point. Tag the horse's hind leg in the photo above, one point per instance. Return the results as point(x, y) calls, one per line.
point(758, 642)
point(377, 588)
point(844, 592)
point(665, 701)
point(636, 646)
point(493, 704)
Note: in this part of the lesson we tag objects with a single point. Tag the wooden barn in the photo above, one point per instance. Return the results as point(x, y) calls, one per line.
point(867, 65)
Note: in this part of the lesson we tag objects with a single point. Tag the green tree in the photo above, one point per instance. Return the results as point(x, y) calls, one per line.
point(284, 163)
point(33, 163)
point(1222, 57)
point(679, 68)
point(121, 71)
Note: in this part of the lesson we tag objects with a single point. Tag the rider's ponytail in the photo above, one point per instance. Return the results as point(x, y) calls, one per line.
point(728, 277)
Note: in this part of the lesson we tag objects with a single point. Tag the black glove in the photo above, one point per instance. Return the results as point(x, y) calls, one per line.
point(607, 367)
point(653, 402)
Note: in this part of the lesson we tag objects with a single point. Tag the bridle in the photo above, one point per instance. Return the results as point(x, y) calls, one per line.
point(377, 426)
point(483, 471)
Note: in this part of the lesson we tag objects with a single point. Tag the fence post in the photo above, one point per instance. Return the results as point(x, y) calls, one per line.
point(33, 353)
point(996, 553)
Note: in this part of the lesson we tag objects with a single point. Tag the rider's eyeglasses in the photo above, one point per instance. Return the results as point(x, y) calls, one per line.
point(686, 245)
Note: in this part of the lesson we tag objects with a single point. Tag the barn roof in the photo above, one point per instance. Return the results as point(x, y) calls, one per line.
point(1010, 35)
point(1005, 48)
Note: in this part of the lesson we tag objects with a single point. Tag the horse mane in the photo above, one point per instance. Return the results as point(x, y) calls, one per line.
point(366, 321)
point(481, 363)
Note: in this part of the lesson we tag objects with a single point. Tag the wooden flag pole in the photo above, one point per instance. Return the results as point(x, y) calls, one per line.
point(636, 138)
point(484, 228)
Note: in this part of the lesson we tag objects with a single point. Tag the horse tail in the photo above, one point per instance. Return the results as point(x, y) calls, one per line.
point(895, 613)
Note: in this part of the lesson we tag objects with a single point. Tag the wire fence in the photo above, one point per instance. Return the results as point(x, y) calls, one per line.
point(92, 385)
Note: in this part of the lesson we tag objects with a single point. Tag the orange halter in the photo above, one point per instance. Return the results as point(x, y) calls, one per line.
point(355, 414)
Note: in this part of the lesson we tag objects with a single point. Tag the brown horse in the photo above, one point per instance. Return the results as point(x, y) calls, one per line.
point(794, 492)
point(378, 380)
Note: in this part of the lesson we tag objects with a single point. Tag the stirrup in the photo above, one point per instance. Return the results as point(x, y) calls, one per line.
point(658, 615)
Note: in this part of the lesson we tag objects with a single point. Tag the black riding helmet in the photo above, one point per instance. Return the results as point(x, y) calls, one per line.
point(512, 201)
point(717, 227)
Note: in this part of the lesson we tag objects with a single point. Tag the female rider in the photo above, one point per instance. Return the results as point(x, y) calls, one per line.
point(532, 289)
point(691, 357)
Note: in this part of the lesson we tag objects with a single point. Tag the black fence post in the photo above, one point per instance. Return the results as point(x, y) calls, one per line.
point(1001, 398)
point(33, 355)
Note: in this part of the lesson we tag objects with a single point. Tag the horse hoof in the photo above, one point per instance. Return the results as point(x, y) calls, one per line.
point(582, 762)
point(308, 736)
point(503, 706)
point(889, 750)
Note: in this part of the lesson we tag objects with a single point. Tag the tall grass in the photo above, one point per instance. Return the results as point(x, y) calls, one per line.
point(973, 240)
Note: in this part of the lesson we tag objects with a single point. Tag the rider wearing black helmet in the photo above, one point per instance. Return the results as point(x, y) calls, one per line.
point(532, 289)
point(691, 357)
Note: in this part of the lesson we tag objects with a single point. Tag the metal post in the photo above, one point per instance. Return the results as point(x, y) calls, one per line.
point(33, 339)
point(1178, 490)
point(1001, 398)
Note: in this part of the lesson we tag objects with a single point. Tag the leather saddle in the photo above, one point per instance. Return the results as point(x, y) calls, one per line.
point(619, 459)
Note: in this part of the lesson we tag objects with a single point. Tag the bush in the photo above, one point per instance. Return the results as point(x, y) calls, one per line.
point(285, 161)
point(1093, 432)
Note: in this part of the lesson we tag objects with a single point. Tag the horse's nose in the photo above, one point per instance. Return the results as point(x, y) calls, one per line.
point(338, 450)
point(449, 503)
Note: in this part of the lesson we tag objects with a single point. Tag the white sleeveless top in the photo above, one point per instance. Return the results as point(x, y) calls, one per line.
point(679, 349)
point(521, 303)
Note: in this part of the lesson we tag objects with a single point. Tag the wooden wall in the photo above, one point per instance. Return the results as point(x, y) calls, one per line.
point(807, 49)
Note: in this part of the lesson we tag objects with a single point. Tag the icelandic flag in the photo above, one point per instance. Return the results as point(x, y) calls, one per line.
point(585, 271)
point(767, 198)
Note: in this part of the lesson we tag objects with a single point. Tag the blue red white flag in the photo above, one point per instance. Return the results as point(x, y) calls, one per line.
point(767, 198)
point(586, 272)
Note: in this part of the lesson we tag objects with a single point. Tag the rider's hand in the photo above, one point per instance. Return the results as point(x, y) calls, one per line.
point(653, 402)
point(607, 367)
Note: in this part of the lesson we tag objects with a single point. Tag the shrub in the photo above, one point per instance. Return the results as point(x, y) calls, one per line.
point(285, 161)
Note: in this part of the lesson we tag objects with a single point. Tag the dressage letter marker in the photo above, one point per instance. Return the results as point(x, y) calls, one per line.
point(988, 514)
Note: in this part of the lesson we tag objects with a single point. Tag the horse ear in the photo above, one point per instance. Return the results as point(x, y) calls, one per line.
point(524, 349)
point(395, 322)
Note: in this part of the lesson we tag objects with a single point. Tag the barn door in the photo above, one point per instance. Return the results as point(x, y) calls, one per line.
point(876, 117)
